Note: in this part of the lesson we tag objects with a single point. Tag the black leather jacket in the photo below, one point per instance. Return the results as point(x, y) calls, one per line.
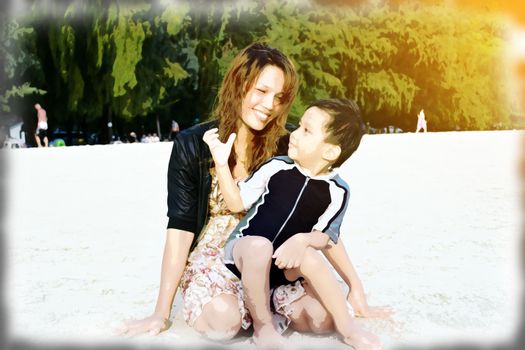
point(189, 179)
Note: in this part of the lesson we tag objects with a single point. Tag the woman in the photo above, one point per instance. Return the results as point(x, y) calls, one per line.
point(254, 100)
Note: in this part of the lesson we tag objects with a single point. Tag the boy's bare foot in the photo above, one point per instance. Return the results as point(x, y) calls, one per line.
point(267, 338)
point(362, 340)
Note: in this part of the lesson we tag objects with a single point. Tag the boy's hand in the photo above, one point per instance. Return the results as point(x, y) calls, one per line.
point(290, 253)
point(219, 151)
point(362, 309)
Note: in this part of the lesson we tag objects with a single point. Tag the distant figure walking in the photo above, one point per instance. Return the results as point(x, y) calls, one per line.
point(421, 122)
point(41, 129)
point(174, 130)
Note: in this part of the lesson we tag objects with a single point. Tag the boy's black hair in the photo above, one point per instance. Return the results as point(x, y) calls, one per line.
point(345, 127)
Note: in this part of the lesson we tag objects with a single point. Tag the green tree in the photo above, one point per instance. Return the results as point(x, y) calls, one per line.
point(219, 30)
point(397, 61)
point(15, 62)
point(100, 57)
point(134, 62)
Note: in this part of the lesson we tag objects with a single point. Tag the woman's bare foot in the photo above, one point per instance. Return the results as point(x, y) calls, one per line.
point(267, 338)
point(363, 340)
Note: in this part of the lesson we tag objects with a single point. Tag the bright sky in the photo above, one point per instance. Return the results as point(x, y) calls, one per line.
point(517, 42)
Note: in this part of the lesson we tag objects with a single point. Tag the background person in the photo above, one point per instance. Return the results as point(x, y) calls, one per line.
point(41, 128)
point(421, 122)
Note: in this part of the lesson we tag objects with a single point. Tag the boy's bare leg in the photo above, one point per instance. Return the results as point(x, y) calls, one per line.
point(253, 258)
point(317, 273)
point(309, 314)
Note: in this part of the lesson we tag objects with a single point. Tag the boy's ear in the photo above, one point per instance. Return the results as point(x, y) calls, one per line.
point(332, 153)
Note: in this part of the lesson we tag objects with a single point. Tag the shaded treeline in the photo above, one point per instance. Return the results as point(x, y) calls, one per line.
point(133, 62)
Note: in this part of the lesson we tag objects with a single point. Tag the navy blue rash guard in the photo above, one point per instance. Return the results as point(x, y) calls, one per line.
point(282, 201)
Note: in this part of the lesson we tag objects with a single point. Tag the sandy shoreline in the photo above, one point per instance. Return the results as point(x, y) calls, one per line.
point(433, 228)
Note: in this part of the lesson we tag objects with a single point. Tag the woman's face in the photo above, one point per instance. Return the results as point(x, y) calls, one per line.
point(263, 100)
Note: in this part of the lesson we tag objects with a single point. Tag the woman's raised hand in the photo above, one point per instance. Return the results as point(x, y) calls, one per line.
point(219, 151)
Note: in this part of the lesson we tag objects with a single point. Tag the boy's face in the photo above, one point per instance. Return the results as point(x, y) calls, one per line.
point(307, 143)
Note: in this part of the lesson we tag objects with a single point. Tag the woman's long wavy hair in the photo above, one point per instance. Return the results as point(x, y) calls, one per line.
point(240, 77)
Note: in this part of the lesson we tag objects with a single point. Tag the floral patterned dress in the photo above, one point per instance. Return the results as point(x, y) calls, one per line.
point(206, 276)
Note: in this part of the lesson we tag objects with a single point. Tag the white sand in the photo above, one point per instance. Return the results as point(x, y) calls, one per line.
point(433, 228)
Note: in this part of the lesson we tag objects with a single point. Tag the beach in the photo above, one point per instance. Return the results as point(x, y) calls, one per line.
point(433, 228)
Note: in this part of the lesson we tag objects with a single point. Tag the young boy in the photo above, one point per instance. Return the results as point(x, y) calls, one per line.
point(295, 206)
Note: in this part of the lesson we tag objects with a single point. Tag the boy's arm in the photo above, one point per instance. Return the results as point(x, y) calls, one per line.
point(220, 153)
point(337, 255)
point(290, 253)
point(339, 259)
point(314, 239)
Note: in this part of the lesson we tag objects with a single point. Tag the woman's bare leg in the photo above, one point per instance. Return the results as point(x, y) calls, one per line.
point(220, 318)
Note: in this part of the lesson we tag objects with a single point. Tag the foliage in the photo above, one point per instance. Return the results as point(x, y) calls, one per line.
point(220, 30)
point(396, 62)
point(20, 91)
point(129, 61)
point(16, 60)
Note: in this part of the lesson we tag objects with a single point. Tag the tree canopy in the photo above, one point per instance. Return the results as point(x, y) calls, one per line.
point(135, 61)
